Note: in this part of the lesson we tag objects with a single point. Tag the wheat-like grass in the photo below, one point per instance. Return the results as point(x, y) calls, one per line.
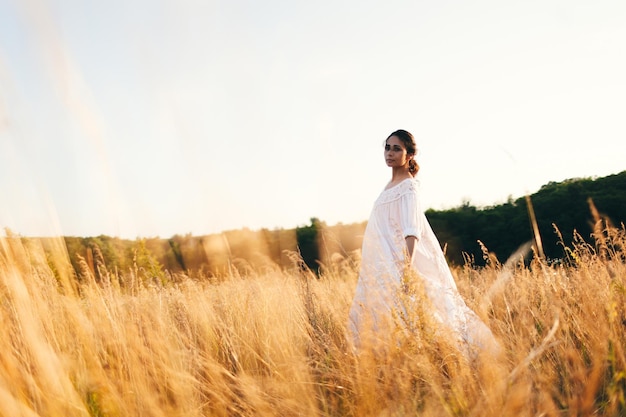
point(272, 342)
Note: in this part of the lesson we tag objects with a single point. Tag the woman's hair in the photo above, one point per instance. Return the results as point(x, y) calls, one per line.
point(408, 141)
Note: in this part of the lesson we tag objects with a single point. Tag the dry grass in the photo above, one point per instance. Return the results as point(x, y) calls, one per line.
point(272, 343)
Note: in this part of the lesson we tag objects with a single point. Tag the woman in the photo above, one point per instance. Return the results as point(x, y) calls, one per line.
point(399, 243)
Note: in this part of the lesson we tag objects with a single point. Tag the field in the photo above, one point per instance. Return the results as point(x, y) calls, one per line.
point(271, 341)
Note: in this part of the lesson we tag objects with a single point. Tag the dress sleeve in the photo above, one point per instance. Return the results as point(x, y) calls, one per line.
point(410, 214)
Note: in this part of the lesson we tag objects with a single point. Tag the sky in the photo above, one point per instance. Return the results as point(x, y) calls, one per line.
point(154, 118)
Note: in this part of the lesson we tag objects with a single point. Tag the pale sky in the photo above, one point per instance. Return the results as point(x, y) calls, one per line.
point(154, 118)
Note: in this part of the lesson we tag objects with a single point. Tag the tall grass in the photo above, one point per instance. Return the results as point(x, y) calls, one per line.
point(272, 342)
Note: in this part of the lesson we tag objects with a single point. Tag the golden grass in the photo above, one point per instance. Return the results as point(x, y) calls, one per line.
point(273, 343)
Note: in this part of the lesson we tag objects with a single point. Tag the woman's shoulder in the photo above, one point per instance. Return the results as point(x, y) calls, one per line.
point(407, 186)
point(413, 184)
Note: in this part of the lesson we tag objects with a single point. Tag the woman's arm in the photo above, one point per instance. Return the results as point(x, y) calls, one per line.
point(408, 261)
point(410, 247)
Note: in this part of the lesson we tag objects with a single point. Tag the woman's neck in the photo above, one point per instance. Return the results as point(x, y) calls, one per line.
point(398, 175)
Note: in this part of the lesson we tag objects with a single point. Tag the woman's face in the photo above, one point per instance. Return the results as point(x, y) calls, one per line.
point(395, 153)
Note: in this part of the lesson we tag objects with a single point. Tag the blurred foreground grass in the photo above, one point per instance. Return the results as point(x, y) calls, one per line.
point(272, 342)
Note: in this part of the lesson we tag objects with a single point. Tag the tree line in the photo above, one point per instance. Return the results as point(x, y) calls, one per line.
point(571, 206)
point(562, 210)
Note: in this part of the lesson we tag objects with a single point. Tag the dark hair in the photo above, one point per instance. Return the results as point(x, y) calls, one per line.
point(408, 141)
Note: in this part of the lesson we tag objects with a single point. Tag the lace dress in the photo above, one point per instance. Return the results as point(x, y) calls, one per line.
point(397, 214)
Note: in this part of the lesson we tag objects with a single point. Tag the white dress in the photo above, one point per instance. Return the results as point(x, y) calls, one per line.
point(397, 214)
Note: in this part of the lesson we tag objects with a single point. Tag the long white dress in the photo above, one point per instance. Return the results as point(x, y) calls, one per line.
point(397, 214)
